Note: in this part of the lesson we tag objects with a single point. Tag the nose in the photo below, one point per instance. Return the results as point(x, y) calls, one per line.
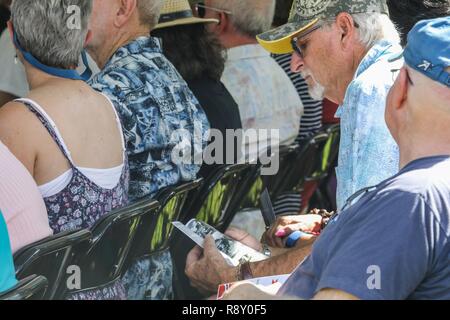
point(297, 63)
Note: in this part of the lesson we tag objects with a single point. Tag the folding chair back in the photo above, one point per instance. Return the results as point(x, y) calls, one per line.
point(30, 288)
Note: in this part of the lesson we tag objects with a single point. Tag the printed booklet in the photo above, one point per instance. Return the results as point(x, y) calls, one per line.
point(233, 251)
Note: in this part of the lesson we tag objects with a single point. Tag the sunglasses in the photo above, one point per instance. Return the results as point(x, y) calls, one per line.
point(300, 49)
point(200, 9)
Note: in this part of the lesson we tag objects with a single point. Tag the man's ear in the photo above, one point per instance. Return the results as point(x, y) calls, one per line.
point(126, 10)
point(400, 90)
point(346, 28)
point(88, 38)
point(223, 23)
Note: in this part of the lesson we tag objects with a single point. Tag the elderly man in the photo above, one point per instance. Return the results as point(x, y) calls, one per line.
point(341, 48)
point(394, 243)
point(265, 96)
point(163, 122)
point(344, 46)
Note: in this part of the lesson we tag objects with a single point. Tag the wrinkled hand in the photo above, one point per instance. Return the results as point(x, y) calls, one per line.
point(284, 226)
point(207, 269)
point(244, 238)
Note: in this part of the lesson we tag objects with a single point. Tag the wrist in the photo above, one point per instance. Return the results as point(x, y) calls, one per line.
point(229, 275)
point(244, 271)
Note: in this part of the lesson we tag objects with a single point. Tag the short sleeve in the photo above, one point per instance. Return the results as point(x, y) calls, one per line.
point(383, 253)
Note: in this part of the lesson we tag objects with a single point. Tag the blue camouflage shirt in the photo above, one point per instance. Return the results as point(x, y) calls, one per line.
point(368, 153)
point(162, 120)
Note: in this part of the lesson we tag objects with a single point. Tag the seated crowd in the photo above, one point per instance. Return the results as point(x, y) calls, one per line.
point(114, 104)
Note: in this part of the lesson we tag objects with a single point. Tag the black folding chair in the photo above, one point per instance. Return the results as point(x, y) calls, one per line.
point(102, 264)
point(322, 197)
point(216, 203)
point(155, 231)
point(51, 258)
point(30, 288)
point(218, 200)
point(285, 156)
point(309, 164)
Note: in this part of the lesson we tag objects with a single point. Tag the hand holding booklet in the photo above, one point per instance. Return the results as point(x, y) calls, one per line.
point(233, 251)
point(270, 285)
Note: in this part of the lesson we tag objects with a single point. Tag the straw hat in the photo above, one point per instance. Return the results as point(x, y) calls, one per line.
point(179, 12)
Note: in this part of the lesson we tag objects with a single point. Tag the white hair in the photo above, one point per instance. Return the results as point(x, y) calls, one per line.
point(372, 27)
point(249, 17)
point(149, 12)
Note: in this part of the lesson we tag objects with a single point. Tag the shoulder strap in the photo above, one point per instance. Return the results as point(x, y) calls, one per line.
point(50, 125)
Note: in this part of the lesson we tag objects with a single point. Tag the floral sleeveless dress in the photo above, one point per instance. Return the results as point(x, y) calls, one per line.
point(82, 203)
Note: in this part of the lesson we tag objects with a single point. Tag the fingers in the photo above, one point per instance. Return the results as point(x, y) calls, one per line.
point(210, 247)
point(272, 239)
point(191, 261)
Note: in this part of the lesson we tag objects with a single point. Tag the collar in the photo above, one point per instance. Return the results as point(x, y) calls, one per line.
point(383, 48)
point(380, 49)
point(248, 51)
point(138, 46)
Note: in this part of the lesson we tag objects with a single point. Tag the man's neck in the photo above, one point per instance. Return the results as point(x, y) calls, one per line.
point(430, 144)
point(348, 75)
point(103, 53)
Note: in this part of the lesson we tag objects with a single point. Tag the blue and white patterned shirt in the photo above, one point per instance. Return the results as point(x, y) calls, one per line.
point(159, 114)
point(368, 153)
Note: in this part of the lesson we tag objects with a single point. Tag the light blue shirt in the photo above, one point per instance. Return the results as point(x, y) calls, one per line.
point(7, 273)
point(368, 153)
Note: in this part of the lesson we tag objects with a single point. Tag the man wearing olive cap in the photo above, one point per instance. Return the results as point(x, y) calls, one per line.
point(341, 47)
point(394, 243)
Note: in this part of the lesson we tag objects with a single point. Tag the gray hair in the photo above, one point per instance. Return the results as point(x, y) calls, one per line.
point(373, 27)
point(149, 12)
point(53, 31)
point(249, 17)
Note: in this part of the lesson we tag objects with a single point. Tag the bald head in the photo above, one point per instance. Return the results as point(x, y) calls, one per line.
point(427, 95)
point(418, 115)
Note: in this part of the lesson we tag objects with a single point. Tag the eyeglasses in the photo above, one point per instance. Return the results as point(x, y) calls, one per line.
point(395, 73)
point(300, 50)
point(200, 8)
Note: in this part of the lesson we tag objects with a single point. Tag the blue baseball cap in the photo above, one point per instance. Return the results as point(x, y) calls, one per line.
point(428, 49)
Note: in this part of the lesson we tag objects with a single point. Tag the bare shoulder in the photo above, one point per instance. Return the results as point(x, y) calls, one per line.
point(14, 115)
point(17, 124)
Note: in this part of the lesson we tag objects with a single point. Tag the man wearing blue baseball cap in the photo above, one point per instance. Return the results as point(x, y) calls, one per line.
point(394, 243)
